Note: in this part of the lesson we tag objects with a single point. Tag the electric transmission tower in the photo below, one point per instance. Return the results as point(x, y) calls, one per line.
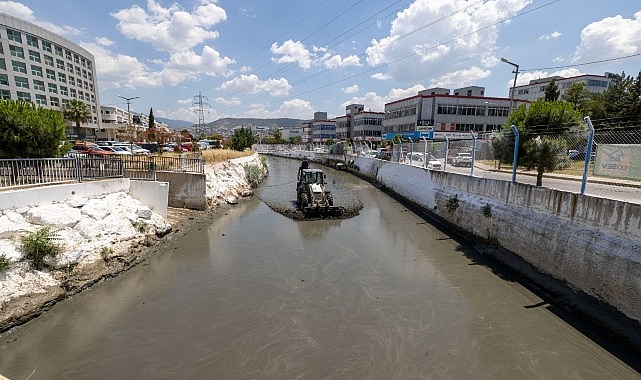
point(201, 106)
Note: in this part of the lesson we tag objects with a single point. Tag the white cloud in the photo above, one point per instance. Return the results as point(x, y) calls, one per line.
point(337, 61)
point(377, 102)
point(290, 52)
point(449, 45)
point(294, 108)
point(23, 12)
point(170, 29)
point(609, 38)
point(551, 36)
point(228, 102)
point(381, 76)
point(460, 78)
point(350, 90)
point(251, 84)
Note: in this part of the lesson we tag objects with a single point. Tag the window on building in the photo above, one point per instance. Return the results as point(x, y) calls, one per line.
point(14, 35)
point(4, 80)
point(19, 67)
point(69, 67)
point(16, 51)
point(36, 70)
point(53, 88)
point(83, 61)
point(72, 80)
point(51, 74)
point(41, 99)
point(21, 82)
point(597, 83)
point(1, 49)
point(3, 64)
point(78, 71)
point(32, 41)
point(5, 94)
point(64, 91)
point(60, 64)
point(86, 87)
point(38, 85)
point(84, 74)
point(48, 60)
point(46, 46)
point(65, 102)
point(54, 101)
point(62, 77)
point(81, 95)
point(73, 93)
point(34, 56)
point(76, 58)
point(68, 54)
point(58, 50)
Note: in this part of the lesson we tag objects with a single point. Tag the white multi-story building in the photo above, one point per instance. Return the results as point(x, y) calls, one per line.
point(435, 113)
point(536, 88)
point(48, 70)
point(359, 125)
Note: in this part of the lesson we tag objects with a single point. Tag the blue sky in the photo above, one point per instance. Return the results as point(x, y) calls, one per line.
point(291, 58)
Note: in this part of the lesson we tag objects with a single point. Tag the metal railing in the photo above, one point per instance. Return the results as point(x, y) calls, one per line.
point(26, 172)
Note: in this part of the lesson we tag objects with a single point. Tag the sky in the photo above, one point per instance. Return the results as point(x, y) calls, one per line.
point(291, 58)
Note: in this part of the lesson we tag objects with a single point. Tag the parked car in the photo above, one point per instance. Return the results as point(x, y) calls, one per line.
point(133, 148)
point(419, 159)
point(92, 151)
point(117, 150)
point(462, 159)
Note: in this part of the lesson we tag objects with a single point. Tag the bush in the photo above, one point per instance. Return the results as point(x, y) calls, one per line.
point(5, 263)
point(38, 245)
point(253, 174)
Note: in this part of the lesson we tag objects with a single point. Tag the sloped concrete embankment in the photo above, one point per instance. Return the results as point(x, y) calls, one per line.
point(590, 245)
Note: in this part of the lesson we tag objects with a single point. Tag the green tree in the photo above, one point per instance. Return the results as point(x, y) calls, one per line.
point(543, 128)
point(152, 121)
point(578, 95)
point(243, 138)
point(77, 112)
point(30, 131)
point(552, 91)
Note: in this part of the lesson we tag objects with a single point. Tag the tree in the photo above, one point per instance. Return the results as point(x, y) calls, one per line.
point(152, 121)
point(243, 138)
point(543, 129)
point(30, 131)
point(552, 91)
point(578, 95)
point(77, 112)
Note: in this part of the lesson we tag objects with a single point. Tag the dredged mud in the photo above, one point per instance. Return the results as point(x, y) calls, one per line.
point(279, 192)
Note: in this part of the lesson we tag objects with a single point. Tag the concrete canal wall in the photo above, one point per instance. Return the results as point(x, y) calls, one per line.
point(591, 244)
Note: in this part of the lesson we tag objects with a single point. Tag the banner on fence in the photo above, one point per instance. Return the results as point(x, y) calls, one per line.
point(618, 160)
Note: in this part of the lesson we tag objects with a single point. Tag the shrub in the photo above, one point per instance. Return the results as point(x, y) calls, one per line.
point(253, 174)
point(38, 245)
point(105, 252)
point(452, 203)
point(140, 226)
point(5, 263)
point(487, 210)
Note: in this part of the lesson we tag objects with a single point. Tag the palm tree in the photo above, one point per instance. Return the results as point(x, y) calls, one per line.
point(78, 112)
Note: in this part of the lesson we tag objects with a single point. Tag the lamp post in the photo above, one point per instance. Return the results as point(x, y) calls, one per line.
point(516, 73)
point(128, 102)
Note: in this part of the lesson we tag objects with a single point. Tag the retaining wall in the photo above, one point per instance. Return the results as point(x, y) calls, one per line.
point(591, 244)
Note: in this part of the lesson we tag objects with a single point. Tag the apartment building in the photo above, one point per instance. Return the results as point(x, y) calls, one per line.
point(48, 70)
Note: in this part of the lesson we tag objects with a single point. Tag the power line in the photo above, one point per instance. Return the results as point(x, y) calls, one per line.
point(585, 63)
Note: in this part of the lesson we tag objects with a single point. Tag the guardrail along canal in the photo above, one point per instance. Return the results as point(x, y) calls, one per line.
point(256, 294)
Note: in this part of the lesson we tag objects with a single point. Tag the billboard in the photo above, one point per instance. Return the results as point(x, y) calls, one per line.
point(618, 160)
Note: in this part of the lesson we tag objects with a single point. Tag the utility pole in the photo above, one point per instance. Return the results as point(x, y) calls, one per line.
point(128, 102)
point(200, 104)
point(516, 73)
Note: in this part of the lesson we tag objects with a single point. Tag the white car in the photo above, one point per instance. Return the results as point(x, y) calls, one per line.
point(116, 150)
point(133, 148)
point(418, 159)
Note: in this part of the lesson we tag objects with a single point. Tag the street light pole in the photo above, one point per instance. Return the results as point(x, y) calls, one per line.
point(516, 73)
point(128, 112)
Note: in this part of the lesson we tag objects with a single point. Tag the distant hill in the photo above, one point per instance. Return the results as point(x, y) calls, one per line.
point(175, 124)
point(230, 123)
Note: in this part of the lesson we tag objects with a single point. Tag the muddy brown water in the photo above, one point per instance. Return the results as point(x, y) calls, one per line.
point(258, 295)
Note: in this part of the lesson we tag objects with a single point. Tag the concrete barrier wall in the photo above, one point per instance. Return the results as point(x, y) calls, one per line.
point(154, 195)
point(46, 194)
point(592, 244)
point(186, 190)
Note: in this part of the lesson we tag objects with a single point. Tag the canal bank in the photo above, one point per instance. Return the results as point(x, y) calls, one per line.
point(106, 227)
